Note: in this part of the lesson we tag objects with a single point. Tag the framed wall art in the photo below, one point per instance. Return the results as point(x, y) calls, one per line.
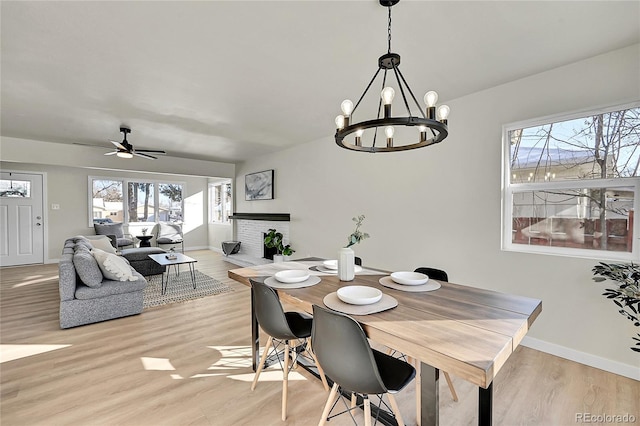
point(258, 186)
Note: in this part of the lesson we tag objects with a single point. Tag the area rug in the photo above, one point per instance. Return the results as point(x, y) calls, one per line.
point(181, 289)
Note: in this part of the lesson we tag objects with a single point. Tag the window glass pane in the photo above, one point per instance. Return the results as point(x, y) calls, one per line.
point(227, 203)
point(217, 203)
point(15, 188)
point(141, 202)
point(594, 147)
point(107, 199)
point(170, 203)
point(590, 218)
point(220, 202)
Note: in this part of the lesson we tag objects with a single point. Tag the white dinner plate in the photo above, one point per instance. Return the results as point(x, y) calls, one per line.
point(292, 276)
point(312, 280)
point(330, 264)
point(409, 278)
point(321, 268)
point(359, 295)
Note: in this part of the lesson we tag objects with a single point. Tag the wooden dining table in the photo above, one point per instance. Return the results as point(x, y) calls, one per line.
point(466, 331)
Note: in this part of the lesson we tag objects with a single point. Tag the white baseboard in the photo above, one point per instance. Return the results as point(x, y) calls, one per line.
point(626, 370)
point(192, 248)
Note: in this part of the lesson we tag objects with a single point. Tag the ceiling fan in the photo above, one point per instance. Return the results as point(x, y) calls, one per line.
point(125, 150)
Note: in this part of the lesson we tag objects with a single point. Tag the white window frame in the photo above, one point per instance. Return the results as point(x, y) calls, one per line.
point(508, 189)
point(125, 196)
point(212, 188)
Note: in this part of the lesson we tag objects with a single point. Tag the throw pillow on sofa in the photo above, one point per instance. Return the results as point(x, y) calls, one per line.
point(102, 242)
point(114, 267)
point(87, 268)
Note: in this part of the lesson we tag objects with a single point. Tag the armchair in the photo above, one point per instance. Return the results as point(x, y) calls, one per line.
point(122, 239)
point(169, 233)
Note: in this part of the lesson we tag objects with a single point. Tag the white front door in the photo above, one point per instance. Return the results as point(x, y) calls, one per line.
point(21, 219)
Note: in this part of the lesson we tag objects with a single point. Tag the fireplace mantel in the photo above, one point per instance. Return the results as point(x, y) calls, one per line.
point(276, 217)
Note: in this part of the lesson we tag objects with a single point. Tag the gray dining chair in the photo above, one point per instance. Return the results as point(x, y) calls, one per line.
point(283, 328)
point(342, 349)
point(436, 274)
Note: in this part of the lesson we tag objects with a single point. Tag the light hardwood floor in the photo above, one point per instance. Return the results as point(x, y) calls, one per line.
point(189, 364)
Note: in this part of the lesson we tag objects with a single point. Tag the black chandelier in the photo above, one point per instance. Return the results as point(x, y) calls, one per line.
point(432, 120)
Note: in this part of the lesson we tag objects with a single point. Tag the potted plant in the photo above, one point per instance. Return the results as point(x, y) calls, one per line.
point(274, 239)
point(627, 296)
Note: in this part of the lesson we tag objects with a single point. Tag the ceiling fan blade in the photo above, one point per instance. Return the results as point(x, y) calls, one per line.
point(111, 153)
point(119, 145)
point(150, 157)
point(151, 151)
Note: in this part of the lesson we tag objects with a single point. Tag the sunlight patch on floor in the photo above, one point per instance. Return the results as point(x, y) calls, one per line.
point(34, 280)
point(12, 352)
point(157, 364)
point(232, 357)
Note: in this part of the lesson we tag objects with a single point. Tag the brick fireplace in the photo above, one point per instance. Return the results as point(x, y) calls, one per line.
point(250, 229)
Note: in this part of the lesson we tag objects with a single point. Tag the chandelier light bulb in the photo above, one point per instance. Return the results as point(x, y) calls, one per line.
point(430, 98)
point(359, 133)
point(347, 107)
point(423, 133)
point(389, 131)
point(387, 95)
point(340, 122)
point(443, 113)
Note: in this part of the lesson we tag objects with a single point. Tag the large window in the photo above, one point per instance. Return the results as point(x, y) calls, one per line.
point(145, 201)
point(220, 202)
point(571, 184)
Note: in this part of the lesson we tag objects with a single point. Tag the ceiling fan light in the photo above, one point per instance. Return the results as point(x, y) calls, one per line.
point(124, 154)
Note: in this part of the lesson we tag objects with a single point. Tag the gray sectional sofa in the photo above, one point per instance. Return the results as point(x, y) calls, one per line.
point(102, 299)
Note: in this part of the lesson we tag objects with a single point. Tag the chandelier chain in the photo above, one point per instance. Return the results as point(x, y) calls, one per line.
point(389, 32)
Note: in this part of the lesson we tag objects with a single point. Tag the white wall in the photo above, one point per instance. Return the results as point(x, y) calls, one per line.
point(440, 206)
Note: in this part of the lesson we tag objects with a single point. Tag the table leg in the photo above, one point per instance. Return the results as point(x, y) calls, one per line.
point(255, 336)
point(430, 396)
point(164, 286)
point(485, 405)
point(192, 270)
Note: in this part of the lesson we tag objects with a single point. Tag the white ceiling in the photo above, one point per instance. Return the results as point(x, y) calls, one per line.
point(227, 81)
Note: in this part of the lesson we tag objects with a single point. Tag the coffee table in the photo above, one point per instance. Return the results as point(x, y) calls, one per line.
point(180, 259)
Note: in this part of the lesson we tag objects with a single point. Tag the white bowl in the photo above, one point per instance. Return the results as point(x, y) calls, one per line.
point(292, 276)
point(330, 264)
point(409, 278)
point(359, 295)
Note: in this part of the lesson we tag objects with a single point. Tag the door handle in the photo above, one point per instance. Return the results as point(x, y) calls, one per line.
point(38, 224)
